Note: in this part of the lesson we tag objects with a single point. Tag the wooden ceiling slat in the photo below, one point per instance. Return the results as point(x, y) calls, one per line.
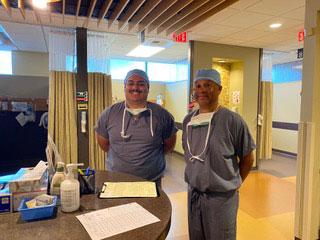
point(131, 11)
point(7, 6)
point(117, 11)
point(184, 12)
point(90, 11)
point(21, 8)
point(174, 9)
point(143, 12)
point(208, 14)
point(63, 9)
point(155, 13)
point(77, 10)
point(104, 10)
point(200, 11)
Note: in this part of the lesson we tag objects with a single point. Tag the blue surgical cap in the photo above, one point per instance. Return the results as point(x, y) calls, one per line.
point(138, 72)
point(209, 74)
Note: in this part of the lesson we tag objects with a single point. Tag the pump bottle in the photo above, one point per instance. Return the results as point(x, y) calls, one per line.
point(70, 189)
point(56, 181)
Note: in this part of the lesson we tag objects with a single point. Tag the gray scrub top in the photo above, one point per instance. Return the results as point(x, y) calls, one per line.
point(229, 139)
point(141, 154)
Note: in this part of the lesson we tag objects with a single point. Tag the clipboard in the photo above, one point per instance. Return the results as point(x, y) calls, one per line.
point(129, 189)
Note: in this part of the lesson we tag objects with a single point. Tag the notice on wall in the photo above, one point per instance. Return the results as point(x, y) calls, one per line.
point(236, 97)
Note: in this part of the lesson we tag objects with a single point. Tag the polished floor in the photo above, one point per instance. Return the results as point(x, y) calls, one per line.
point(266, 208)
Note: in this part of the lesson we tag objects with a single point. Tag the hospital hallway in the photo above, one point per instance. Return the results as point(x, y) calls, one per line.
point(266, 208)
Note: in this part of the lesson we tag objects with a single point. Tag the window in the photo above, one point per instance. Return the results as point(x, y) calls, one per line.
point(120, 67)
point(164, 72)
point(182, 71)
point(287, 72)
point(5, 62)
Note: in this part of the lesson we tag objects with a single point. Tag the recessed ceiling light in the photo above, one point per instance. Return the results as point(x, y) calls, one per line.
point(222, 61)
point(275, 25)
point(144, 51)
point(40, 3)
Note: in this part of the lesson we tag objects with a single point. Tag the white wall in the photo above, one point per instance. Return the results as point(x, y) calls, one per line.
point(286, 108)
point(29, 77)
point(176, 103)
point(30, 64)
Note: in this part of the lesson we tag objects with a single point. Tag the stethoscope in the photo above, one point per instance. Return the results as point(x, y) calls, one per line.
point(198, 157)
point(123, 133)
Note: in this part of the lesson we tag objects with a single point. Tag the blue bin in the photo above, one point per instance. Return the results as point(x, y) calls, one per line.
point(28, 214)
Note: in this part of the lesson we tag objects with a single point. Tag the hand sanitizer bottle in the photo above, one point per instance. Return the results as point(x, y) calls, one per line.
point(70, 189)
point(56, 181)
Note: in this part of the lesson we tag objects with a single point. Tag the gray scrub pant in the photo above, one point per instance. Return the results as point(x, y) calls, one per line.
point(212, 216)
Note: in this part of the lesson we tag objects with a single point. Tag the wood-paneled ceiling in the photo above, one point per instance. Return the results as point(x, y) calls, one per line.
point(155, 17)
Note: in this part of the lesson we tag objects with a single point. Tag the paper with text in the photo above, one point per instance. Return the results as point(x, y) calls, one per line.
point(128, 189)
point(107, 222)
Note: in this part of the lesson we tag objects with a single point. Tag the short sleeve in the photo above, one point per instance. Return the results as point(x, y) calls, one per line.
point(169, 126)
point(244, 143)
point(102, 123)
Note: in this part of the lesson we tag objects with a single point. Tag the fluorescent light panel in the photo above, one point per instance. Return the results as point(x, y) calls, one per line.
point(144, 51)
point(40, 3)
point(275, 25)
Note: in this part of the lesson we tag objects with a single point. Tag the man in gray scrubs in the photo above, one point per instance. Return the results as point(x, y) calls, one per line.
point(218, 152)
point(135, 133)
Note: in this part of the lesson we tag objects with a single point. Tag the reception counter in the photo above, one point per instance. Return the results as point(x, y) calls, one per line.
point(67, 226)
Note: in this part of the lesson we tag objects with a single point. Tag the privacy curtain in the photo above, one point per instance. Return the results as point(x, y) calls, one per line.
point(62, 125)
point(266, 128)
point(100, 97)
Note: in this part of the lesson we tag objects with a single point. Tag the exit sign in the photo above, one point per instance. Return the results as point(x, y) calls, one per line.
point(182, 37)
point(300, 36)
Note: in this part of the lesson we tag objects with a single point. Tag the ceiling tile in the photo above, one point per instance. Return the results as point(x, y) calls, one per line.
point(297, 14)
point(243, 4)
point(245, 19)
point(286, 24)
point(247, 35)
point(215, 30)
point(275, 7)
point(222, 15)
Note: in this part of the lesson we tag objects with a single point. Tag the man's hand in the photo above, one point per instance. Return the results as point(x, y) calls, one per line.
point(169, 143)
point(245, 165)
point(103, 142)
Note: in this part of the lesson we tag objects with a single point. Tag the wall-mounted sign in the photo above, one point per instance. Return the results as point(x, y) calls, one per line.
point(82, 96)
point(300, 53)
point(82, 106)
point(300, 36)
point(182, 37)
point(236, 97)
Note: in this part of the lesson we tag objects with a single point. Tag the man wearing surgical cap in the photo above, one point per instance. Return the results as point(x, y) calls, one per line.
point(136, 133)
point(219, 155)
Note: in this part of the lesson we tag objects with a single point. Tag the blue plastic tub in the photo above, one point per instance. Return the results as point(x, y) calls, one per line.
point(28, 214)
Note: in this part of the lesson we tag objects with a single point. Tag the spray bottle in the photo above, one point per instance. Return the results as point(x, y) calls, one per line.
point(56, 181)
point(70, 189)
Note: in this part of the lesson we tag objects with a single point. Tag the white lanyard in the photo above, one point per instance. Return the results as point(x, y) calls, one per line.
point(198, 157)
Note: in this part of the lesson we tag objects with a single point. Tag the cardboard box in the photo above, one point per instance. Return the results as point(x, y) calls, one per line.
point(5, 200)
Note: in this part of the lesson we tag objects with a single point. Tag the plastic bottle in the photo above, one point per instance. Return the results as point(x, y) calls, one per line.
point(56, 181)
point(70, 189)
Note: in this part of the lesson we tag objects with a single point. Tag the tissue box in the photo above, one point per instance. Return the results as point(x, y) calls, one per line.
point(19, 196)
point(32, 180)
point(5, 202)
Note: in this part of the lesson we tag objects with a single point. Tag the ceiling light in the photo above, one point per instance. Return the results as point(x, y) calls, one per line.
point(275, 25)
point(144, 51)
point(40, 3)
point(222, 61)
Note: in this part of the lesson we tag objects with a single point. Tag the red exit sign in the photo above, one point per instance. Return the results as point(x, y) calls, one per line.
point(182, 37)
point(300, 36)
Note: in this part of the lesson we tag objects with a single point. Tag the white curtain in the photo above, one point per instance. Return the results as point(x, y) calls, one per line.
point(62, 50)
point(98, 51)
